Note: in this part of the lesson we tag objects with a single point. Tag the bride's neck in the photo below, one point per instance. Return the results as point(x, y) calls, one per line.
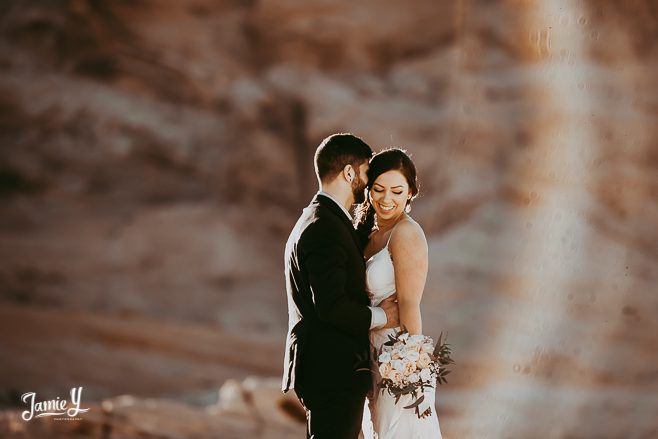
point(384, 226)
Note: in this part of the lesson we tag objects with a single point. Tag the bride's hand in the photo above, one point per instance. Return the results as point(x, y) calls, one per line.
point(391, 298)
point(390, 307)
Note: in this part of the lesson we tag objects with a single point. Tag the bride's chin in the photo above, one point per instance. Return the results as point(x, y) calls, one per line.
point(382, 214)
point(385, 217)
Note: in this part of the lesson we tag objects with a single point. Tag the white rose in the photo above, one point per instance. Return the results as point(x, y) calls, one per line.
point(412, 355)
point(404, 336)
point(384, 357)
point(396, 376)
point(398, 365)
point(395, 354)
point(424, 360)
point(409, 367)
point(425, 374)
point(427, 348)
point(413, 378)
point(415, 342)
point(385, 370)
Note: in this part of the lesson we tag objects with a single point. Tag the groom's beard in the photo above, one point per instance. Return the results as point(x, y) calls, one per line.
point(359, 191)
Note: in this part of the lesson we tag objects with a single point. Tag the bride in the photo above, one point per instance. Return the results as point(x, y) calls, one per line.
point(396, 263)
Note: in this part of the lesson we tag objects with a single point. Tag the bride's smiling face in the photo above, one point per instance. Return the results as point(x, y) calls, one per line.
point(389, 194)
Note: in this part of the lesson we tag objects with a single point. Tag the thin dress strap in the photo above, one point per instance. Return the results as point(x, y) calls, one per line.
point(389, 238)
point(393, 230)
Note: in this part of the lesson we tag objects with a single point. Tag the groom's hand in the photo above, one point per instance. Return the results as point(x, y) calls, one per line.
point(390, 307)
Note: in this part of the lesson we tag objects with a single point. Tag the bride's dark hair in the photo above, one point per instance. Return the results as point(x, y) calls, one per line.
point(393, 159)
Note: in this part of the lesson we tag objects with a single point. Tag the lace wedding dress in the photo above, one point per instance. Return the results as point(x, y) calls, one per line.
point(383, 418)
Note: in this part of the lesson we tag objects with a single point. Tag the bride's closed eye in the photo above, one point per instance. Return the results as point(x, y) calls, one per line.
point(381, 190)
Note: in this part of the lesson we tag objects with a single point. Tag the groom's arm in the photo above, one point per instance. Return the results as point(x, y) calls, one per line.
point(326, 265)
point(379, 318)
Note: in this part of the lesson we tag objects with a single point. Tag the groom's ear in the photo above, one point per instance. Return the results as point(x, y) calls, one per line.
point(348, 173)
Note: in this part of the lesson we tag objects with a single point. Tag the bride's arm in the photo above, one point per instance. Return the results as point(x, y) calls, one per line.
point(408, 249)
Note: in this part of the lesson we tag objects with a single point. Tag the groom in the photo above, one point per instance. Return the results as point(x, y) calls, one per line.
point(328, 313)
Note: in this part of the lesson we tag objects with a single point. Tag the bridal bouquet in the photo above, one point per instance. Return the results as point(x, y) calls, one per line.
point(408, 364)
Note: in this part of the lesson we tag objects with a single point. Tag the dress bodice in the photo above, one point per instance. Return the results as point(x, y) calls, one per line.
point(380, 284)
point(380, 276)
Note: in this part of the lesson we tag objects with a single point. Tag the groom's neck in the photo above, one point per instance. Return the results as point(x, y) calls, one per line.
point(339, 194)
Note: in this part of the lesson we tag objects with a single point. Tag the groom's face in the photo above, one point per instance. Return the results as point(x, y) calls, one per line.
point(359, 184)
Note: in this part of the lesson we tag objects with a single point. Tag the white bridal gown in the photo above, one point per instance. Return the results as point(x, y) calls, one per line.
point(386, 419)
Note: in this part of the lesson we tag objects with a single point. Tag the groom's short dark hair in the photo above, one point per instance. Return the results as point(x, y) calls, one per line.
point(337, 151)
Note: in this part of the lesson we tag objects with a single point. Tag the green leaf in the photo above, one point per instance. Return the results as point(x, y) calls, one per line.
point(403, 390)
point(416, 403)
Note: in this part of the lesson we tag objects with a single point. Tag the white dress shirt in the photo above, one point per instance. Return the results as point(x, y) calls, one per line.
point(378, 315)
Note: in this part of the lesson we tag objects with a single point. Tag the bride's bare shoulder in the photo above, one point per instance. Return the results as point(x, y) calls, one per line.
point(408, 234)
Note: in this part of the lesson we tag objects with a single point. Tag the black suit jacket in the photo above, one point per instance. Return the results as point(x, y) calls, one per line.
point(329, 318)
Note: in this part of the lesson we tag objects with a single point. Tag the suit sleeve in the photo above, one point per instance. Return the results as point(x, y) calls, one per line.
point(326, 264)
